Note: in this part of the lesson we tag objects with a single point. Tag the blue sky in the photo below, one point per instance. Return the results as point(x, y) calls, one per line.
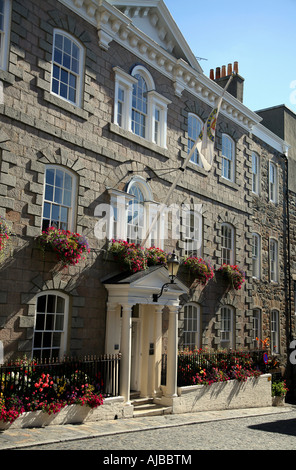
point(259, 34)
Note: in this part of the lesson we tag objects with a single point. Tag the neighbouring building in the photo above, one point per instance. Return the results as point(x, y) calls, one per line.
point(100, 104)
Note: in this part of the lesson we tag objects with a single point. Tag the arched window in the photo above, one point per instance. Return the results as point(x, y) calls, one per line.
point(227, 244)
point(191, 331)
point(49, 339)
point(139, 107)
point(141, 211)
point(67, 67)
point(136, 215)
point(194, 128)
point(227, 327)
point(59, 198)
point(228, 158)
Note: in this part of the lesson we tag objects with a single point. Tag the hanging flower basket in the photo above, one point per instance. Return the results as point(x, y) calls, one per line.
point(128, 255)
point(155, 256)
point(233, 274)
point(5, 238)
point(134, 258)
point(69, 247)
point(199, 268)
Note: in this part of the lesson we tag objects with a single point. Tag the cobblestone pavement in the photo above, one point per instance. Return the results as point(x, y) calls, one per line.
point(257, 433)
point(252, 429)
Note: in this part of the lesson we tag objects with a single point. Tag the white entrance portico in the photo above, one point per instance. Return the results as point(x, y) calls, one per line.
point(134, 328)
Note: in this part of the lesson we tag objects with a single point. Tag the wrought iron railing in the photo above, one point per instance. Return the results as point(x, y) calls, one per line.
point(190, 363)
point(102, 373)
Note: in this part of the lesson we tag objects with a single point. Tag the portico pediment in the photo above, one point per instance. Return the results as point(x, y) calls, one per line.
point(139, 288)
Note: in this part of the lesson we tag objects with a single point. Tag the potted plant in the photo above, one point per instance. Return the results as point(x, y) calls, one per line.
point(201, 270)
point(233, 274)
point(68, 246)
point(279, 390)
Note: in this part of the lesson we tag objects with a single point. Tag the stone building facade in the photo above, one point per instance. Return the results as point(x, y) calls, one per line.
point(70, 73)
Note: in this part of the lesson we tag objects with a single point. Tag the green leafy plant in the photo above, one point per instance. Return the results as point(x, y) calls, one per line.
point(68, 246)
point(279, 388)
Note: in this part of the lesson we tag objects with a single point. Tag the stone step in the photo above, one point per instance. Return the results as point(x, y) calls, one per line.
point(146, 407)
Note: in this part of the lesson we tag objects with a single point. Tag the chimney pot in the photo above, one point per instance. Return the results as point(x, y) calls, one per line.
point(235, 67)
point(217, 72)
point(212, 74)
point(229, 69)
point(223, 74)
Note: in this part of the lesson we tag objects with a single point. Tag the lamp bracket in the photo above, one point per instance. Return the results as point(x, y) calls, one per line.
point(156, 296)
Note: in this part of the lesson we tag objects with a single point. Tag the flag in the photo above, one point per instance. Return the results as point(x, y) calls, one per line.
point(205, 145)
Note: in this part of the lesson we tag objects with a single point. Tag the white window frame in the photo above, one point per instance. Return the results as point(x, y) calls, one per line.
point(191, 330)
point(61, 331)
point(228, 158)
point(71, 208)
point(227, 249)
point(256, 255)
point(120, 202)
point(79, 74)
point(156, 130)
point(257, 326)
point(227, 327)
point(275, 331)
point(255, 173)
point(5, 34)
point(193, 134)
point(192, 232)
point(273, 260)
point(136, 209)
point(273, 182)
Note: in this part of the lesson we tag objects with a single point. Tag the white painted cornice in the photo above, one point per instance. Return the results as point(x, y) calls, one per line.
point(113, 25)
point(271, 139)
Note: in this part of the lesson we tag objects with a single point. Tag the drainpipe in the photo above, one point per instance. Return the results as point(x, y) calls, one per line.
point(289, 306)
point(288, 273)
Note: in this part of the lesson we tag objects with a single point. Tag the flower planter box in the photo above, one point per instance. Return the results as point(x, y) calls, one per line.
point(278, 401)
point(112, 408)
point(254, 393)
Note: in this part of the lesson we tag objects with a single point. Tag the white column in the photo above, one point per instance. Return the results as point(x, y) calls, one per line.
point(172, 352)
point(126, 349)
point(157, 347)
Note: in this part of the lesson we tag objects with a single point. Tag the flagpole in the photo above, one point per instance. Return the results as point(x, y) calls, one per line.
point(181, 171)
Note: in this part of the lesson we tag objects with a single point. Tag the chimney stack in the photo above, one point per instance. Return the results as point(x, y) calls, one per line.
point(236, 86)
